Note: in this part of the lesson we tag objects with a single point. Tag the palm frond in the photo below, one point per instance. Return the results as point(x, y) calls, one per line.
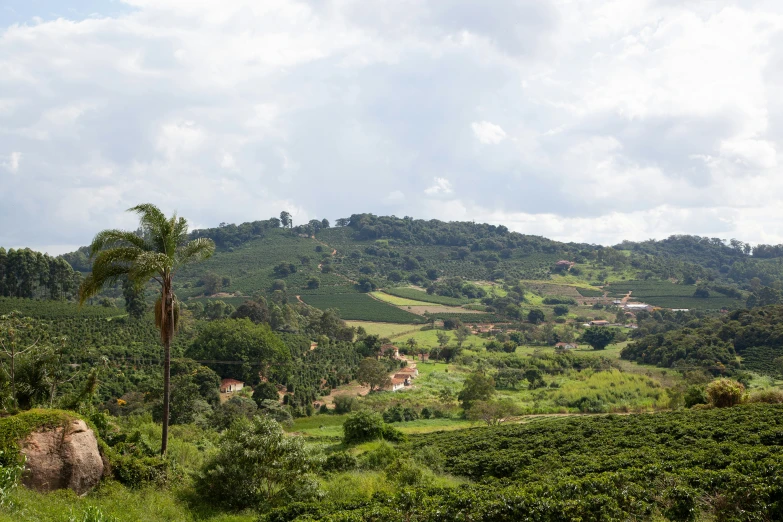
point(115, 238)
point(195, 250)
point(101, 275)
point(153, 222)
point(147, 264)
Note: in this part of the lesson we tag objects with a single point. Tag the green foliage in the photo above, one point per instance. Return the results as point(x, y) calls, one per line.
point(345, 404)
point(477, 387)
point(723, 393)
point(373, 373)
point(10, 473)
point(361, 307)
point(257, 465)
point(599, 337)
point(240, 340)
point(365, 425)
point(92, 514)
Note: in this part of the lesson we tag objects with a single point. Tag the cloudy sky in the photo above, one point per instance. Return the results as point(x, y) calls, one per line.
point(584, 120)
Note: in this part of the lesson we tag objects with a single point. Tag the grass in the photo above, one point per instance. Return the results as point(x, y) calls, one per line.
point(397, 301)
point(114, 500)
point(429, 339)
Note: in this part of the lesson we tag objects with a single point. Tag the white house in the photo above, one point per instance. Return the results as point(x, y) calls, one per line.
point(397, 384)
point(231, 385)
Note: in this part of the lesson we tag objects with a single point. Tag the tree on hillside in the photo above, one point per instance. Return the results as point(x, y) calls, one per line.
point(462, 333)
point(477, 387)
point(285, 219)
point(491, 412)
point(372, 372)
point(599, 337)
point(535, 316)
point(412, 344)
point(155, 254)
point(443, 338)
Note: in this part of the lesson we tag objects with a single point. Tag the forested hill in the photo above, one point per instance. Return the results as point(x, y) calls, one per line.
point(364, 252)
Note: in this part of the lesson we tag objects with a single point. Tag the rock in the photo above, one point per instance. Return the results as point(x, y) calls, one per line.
point(62, 457)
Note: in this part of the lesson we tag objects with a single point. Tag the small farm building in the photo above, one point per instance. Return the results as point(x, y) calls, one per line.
point(231, 385)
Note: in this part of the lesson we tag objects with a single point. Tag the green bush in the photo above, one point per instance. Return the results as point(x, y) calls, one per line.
point(380, 457)
point(340, 461)
point(723, 393)
point(365, 425)
point(694, 395)
point(257, 465)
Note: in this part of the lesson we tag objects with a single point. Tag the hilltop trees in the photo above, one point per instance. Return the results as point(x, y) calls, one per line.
point(154, 254)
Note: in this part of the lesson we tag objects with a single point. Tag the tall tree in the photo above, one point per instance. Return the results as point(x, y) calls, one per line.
point(285, 219)
point(155, 254)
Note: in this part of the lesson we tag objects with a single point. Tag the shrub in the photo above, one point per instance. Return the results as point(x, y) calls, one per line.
point(345, 404)
point(767, 396)
point(362, 426)
point(340, 461)
point(724, 393)
point(694, 395)
point(380, 457)
point(257, 464)
point(406, 472)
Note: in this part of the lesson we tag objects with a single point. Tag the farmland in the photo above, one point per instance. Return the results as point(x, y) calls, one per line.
point(361, 307)
point(395, 300)
point(670, 295)
point(418, 295)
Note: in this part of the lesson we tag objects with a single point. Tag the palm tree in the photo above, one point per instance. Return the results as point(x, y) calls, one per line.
point(155, 253)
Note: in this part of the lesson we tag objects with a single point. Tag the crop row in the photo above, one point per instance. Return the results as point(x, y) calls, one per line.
point(418, 295)
point(720, 464)
point(361, 307)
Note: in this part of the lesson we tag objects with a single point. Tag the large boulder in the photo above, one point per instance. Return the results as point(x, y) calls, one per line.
point(60, 457)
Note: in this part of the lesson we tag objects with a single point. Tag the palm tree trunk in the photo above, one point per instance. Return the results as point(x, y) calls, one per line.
point(168, 329)
point(166, 392)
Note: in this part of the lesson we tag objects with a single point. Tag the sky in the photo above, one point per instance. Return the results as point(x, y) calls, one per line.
point(579, 120)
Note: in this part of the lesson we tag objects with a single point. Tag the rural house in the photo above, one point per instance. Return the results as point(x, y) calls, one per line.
point(231, 385)
point(396, 384)
point(424, 356)
point(405, 377)
point(566, 346)
point(599, 323)
point(413, 372)
point(386, 349)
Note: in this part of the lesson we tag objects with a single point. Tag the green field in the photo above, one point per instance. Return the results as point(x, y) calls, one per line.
point(397, 301)
point(428, 338)
point(390, 330)
point(418, 295)
point(361, 307)
point(669, 295)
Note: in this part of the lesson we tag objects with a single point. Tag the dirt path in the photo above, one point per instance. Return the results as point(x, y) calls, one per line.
point(627, 296)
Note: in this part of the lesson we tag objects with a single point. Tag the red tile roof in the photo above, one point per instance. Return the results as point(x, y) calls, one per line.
point(226, 382)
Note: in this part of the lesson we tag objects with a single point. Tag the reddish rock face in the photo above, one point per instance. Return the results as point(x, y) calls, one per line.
point(62, 458)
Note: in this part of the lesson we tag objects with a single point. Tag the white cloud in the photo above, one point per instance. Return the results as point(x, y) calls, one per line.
point(395, 196)
point(440, 186)
point(487, 132)
point(12, 165)
point(619, 118)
